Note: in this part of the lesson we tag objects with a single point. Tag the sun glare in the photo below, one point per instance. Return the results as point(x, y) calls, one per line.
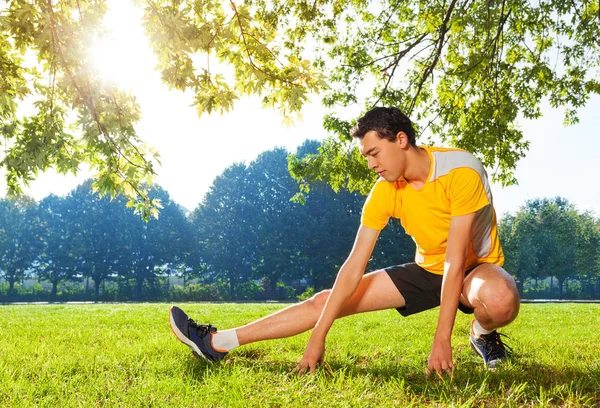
point(121, 54)
point(105, 60)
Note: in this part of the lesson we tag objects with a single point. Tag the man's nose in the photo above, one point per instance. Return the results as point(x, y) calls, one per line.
point(372, 163)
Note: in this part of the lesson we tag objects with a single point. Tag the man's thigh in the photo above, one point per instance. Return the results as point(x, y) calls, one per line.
point(483, 281)
point(376, 291)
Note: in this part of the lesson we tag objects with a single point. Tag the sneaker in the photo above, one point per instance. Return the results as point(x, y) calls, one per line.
point(490, 347)
point(196, 336)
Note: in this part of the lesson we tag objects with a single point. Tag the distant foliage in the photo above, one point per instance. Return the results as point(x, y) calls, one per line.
point(549, 243)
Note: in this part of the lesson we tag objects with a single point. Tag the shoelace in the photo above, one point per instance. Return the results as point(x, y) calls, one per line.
point(202, 329)
point(494, 348)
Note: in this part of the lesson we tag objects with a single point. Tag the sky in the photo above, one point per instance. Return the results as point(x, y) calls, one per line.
point(560, 162)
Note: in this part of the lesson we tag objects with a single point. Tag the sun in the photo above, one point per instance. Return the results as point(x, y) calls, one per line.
point(105, 60)
point(120, 50)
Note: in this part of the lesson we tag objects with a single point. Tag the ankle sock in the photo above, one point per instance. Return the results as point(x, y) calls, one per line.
point(225, 340)
point(478, 330)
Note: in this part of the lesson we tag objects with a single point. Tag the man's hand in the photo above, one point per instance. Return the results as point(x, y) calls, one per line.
point(313, 356)
point(440, 359)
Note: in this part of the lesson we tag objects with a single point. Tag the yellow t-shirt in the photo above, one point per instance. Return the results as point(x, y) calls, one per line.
point(457, 185)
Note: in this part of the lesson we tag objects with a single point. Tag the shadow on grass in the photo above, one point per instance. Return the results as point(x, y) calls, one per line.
point(518, 379)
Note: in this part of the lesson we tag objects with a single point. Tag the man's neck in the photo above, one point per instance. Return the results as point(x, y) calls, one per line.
point(418, 170)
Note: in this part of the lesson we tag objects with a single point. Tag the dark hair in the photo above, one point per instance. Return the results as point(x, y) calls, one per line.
point(387, 122)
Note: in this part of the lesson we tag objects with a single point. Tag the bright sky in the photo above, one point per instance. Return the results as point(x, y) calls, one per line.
point(195, 150)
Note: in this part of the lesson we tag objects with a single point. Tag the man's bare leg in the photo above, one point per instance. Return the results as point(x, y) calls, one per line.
point(493, 294)
point(375, 291)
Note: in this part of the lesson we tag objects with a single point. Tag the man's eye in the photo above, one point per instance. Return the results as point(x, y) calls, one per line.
point(375, 154)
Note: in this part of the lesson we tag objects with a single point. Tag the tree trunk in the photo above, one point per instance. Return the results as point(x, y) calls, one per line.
point(231, 289)
point(97, 283)
point(139, 287)
point(560, 288)
point(54, 290)
point(520, 285)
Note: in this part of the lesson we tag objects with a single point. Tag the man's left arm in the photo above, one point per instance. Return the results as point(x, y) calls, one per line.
point(459, 237)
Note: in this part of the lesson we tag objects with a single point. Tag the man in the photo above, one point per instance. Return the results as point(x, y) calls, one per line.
point(443, 200)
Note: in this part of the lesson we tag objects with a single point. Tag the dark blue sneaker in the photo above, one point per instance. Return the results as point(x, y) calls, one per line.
point(490, 347)
point(196, 336)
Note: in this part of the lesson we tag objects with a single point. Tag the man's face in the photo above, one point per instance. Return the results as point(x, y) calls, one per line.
point(384, 157)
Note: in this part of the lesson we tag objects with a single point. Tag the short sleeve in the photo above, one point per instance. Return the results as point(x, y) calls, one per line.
point(466, 192)
point(379, 206)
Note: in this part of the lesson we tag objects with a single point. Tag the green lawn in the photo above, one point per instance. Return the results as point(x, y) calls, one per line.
point(125, 355)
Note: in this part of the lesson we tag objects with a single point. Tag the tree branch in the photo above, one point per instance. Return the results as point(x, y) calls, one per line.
point(399, 54)
point(430, 68)
point(395, 64)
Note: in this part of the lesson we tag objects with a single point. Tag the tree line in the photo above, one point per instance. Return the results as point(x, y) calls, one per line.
point(248, 239)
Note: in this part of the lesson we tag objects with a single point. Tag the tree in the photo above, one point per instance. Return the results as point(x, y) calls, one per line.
point(58, 260)
point(519, 237)
point(588, 252)
point(158, 243)
point(463, 70)
point(550, 238)
point(226, 231)
point(100, 227)
point(277, 220)
point(558, 220)
point(19, 245)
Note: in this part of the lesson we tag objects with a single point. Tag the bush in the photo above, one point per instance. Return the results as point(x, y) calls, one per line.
point(307, 294)
point(248, 291)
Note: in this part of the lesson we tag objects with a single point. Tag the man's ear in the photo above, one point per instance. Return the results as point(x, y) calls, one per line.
point(402, 139)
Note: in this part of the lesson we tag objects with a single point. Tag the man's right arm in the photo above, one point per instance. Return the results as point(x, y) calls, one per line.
point(345, 285)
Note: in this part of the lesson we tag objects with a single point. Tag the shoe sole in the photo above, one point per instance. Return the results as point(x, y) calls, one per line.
point(183, 338)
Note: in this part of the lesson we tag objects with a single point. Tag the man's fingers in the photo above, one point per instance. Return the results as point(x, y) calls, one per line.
point(303, 368)
point(440, 369)
point(300, 369)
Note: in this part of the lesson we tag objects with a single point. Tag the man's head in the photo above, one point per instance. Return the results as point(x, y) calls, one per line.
point(385, 138)
point(387, 123)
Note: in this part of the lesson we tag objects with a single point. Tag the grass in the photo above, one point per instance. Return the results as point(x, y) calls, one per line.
point(125, 355)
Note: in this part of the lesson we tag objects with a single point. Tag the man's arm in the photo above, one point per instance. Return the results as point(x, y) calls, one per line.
point(459, 238)
point(345, 285)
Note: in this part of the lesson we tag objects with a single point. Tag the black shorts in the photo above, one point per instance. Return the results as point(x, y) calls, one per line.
point(420, 289)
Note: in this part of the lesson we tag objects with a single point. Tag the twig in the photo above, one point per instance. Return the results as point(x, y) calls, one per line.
point(395, 64)
point(429, 69)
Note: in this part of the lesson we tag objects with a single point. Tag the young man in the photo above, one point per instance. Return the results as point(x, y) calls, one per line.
point(443, 199)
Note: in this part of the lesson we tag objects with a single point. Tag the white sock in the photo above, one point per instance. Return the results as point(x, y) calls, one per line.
point(478, 330)
point(225, 340)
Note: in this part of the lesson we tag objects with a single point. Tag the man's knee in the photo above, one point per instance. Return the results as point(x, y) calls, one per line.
point(501, 300)
point(317, 302)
